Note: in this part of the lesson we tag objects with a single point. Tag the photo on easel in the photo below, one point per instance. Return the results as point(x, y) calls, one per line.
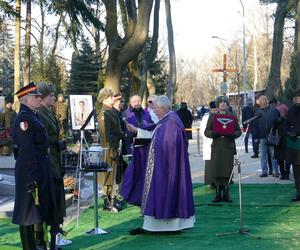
point(81, 106)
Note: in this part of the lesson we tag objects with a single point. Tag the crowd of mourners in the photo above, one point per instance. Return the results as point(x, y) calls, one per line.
point(275, 137)
point(157, 178)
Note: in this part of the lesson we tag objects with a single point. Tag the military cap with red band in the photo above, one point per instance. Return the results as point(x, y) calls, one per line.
point(30, 89)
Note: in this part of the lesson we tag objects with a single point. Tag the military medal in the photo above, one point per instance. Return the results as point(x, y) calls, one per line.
point(224, 121)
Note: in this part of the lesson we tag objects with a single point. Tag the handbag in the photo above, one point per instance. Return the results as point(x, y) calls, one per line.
point(273, 139)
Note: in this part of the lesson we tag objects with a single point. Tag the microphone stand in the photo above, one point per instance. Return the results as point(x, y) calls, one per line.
point(237, 164)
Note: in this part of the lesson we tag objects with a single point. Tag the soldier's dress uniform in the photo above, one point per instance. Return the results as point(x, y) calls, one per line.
point(110, 134)
point(223, 149)
point(6, 122)
point(61, 111)
point(52, 127)
point(33, 169)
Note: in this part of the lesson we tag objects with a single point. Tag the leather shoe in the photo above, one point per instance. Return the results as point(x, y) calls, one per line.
point(296, 198)
point(263, 175)
point(137, 231)
point(254, 156)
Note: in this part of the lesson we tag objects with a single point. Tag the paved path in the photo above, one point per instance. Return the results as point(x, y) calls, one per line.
point(250, 168)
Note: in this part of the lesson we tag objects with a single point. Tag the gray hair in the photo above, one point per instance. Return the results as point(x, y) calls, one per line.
point(164, 102)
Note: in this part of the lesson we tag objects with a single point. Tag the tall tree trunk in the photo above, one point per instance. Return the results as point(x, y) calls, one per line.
point(122, 51)
point(27, 44)
point(135, 77)
point(41, 41)
point(150, 85)
point(274, 87)
point(255, 64)
point(17, 52)
point(172, 58)
point(56, 35)
point(139, 68)
point(297, 46)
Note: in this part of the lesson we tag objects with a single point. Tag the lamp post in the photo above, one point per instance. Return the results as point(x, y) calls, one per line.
point(244, 53)
point(224, 40)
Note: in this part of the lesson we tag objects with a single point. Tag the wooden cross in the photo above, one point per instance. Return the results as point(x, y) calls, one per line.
point(225, 70)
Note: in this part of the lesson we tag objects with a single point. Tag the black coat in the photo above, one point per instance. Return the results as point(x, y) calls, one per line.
point(247, 113)
point(187, 119)
point(280, 128)
point(32, 165)
point(263, 125)
point(293, 127)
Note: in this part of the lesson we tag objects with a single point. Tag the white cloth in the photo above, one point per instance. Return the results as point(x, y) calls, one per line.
point(162, 225)
point(142, 133)
point(153, 116)
point(206, 141)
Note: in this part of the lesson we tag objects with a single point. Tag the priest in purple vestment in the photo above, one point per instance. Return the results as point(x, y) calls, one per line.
point(167, 197)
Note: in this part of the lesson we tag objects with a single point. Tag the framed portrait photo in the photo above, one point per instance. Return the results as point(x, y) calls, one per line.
point(81, 106)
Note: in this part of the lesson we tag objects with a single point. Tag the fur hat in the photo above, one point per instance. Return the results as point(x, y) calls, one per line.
point(45, 88)
point(222, 98)
point(104, 94)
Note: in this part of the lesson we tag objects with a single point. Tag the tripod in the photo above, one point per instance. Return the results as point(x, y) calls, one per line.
point(237, 164)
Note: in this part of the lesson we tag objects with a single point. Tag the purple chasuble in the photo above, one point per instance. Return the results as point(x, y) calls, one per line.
point(167, 191)
point(131, 118)
point(134, 176)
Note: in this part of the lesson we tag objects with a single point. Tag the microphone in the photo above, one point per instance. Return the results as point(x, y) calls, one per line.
point(253, 119)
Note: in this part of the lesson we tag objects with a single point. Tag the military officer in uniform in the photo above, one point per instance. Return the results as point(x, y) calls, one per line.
point(6, 121)
point(223, 147)
point(110, 135)
point(61, 111)
point(35, 196)
point(56, 147)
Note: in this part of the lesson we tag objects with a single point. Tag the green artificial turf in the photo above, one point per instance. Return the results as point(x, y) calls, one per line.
point(267, 213)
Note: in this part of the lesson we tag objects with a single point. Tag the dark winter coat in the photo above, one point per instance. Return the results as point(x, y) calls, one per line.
point(263, 125)
point(280, 128)
point(247, 113)
point(223, 149)
point(110, 135)
point(33, 164)
point(52, 127)
point(187, 119)
point(293, 138)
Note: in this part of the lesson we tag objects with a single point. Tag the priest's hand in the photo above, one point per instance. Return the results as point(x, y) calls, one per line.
point(131, 128)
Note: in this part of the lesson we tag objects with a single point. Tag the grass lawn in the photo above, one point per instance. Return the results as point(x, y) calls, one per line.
point(267, 212)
